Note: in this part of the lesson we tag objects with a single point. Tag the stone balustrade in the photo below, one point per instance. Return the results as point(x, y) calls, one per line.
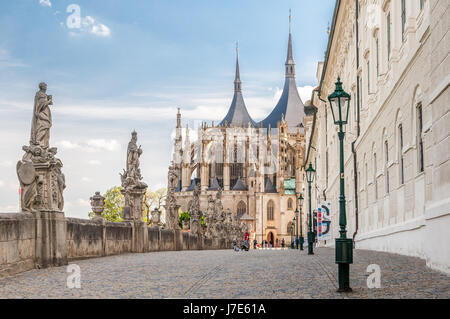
point(25, 238)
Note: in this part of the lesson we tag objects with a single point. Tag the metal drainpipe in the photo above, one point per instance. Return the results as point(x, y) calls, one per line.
point(355, 176)
point(324, 191)
point(358, 126)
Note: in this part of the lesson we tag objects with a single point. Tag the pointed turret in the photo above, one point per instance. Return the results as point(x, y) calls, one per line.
point(237, 114)
point(290, 105)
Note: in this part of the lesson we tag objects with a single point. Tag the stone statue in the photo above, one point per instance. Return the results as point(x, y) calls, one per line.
point(210, 217)
point(39, 172)
point(133, 188)
point(228, 225)
point(156, 217)
point(219, 216)
point(42, 118)
point(171, 202)
point(195, 212)
point(131, 178)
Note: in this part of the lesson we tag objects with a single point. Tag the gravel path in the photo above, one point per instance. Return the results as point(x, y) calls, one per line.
point(228, 274)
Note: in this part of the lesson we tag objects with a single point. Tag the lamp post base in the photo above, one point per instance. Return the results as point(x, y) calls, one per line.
point(310, 243)
point(302, 240)
point(348, 289)
point(344, 278)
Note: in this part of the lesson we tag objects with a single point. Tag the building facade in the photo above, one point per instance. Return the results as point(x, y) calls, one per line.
point(393, 59)
point(257, 165)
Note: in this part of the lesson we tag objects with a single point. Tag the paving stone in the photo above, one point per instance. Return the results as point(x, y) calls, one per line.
point(227, 274)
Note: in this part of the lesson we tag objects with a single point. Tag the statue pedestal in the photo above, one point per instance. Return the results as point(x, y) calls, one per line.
point(48, 194)
point(134, 200)
point(172, 216)
point(51, 237)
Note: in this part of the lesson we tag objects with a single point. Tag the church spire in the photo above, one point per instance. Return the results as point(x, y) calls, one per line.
point(290, 64)
point(237, 79)
point(237, 113)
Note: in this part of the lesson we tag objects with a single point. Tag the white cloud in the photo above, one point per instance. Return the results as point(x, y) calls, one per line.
point(10, 209)
point(88, 24)
point(101, 30)
point(45, 3)
point(6, 61)
point(86, 179)
point(102, 144)
point(67, 145)
point(305, 92)
point(93, 145)
point(14, 186)
point(94, 162)
point(2, 183)
point(6, 163)
point(83, 202)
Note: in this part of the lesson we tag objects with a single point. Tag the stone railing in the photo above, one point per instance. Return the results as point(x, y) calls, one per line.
point(28, 241)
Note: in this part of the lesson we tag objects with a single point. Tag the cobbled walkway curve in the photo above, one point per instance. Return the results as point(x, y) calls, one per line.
point(256, 274)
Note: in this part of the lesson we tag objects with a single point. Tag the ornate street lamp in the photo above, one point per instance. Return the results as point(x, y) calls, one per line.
point(292, 233)
point(340, 104)
point(302, 240)
point(310, 174)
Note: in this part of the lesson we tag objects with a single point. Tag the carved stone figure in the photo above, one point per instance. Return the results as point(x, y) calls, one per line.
point(42, 118)
point(171, 202)
point(39, 172)
point(131, 178)
point(28, 185)
point(210, 219)
point(219, 216)
point(195, 212)
point(133, 188)
point(228, 225)
point(156, 217)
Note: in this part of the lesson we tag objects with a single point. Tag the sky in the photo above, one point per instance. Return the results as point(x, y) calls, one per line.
point(128, 65)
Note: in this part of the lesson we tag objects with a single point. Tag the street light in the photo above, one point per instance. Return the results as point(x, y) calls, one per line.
point(300, 198)
point(340, 104)
point(296, 228)
point(292, 233)
point(310, 173)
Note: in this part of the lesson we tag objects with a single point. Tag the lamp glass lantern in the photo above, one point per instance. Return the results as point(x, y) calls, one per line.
point(310, 174)
point(301, 199)
point(340, 104)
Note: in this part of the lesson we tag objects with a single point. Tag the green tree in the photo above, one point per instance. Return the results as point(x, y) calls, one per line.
point(114, 202)
point(183, 216)
point(153, 200)
point(187, 215)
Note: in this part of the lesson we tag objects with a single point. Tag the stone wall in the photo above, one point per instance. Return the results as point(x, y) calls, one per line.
point(26, 240)
point(17, 243)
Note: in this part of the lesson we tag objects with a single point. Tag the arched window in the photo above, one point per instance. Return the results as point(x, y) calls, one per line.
point(289, 203)
point(290, 228)
point(270, 210)
point(386, 167)
point(400, 155)
point(375, 180)
point(419, 140)
point(241, 208)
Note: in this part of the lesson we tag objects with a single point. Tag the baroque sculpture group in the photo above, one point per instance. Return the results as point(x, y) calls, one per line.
point(42, 184)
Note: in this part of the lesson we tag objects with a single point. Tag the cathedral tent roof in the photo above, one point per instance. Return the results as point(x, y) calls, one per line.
point(237, 114)
point(215, 185)
point(193, 184)
point(239, 186)
point(290, 105)
point(269, 187)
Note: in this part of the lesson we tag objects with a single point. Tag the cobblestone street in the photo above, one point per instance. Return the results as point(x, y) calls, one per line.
point(228, 274)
